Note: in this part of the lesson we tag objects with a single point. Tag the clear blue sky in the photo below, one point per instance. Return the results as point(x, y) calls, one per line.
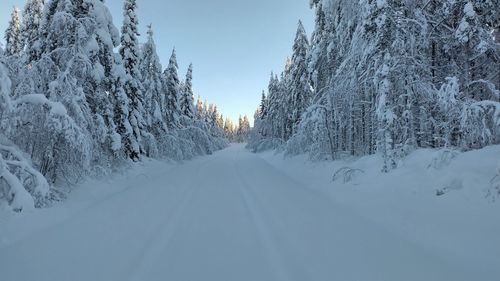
point(233, 44)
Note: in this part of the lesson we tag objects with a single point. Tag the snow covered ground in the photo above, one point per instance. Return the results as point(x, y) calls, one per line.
point(240, 216)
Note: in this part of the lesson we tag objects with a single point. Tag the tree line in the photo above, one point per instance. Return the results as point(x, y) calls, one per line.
point(388, 77)
point(72, 107)
point(233, 132)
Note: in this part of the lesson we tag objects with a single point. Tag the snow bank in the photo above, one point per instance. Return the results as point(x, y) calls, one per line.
point(439, 199)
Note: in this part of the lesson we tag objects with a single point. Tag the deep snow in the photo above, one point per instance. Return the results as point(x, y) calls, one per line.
point(241, 216)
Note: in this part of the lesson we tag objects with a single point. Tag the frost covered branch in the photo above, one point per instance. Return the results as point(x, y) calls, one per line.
point(22, 184)
point(346, 174)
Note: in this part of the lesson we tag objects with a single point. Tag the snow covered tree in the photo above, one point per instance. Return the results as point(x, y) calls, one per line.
point(154, 89)
point(73, 108)
point(277, 103)
point(320, 61)
point(220, 122)
point(229, 130)
point(92, 70)
point(171, 75)
point(384, 89)
point(212, 114)
point(274, 121)
point(5, 90)
point(13, 35)
point(32, 19)
point(187, 98)
point(129, 51)
point(243, 129)
point(102, 85)
point(301, 91)
point(121, 111)
point(59, 73)
point(387, 76)
point(22, 186)
point(263, 106)
point(28, 119)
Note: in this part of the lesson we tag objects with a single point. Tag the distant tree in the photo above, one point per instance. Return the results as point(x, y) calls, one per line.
point(243, 129)
point(187, 98)
point(263, 105)
point(13, 35)
point(173, 93)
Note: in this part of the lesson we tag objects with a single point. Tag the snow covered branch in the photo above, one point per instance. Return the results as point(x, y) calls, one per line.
point(347, 174)
point(22, 184)
point(56, 108)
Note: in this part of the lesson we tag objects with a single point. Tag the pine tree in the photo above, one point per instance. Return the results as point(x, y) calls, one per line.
point(301, 92)
point(129, 52)
point(121, 112)
point(5, 90)
point(243, 129)
point(173, 92)
point(320, 57)
point(60, 71)
point(263, 106)
point(272, 125)
point(154, 89)
point(42, 44)
point(220, 122)
point(187, 98)
point(13, 35)
point(32, 19)
point(102, 90)
point(229, 130)
point(200, 109)
point(213, 115)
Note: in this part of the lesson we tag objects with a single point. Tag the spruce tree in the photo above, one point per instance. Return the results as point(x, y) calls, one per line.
point(5, 90)
point(32, 19)
point(154, 89)
point(200, 109)
point(263, 106)
point(172, 81)
point(129, 52)
point(13, 35)
point(301, 92)
point(187, 98)
point(99, 88)
point(319, 61)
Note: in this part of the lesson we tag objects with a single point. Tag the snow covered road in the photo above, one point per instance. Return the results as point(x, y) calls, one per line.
point(231, 216)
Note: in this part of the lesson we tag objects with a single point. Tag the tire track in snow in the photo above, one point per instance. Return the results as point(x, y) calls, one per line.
point(350, 238)
point(261, 228)
point(162, 234)
point(289, 211)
